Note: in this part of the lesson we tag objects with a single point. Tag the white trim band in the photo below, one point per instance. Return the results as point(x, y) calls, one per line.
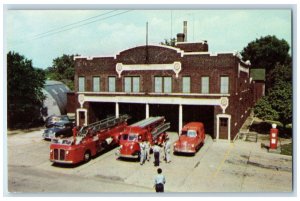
point(176, 67)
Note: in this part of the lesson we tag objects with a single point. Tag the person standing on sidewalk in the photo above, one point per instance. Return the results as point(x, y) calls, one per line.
point(159, 181)
point(167, 150)
point(148, 147)
point(156, 151)
point(142, 152)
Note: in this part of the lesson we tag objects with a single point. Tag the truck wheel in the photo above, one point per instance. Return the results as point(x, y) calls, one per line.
point(87, 156)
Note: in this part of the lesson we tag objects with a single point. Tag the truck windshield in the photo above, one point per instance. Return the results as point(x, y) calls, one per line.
point(129, 137)
point(132, 137)
point(62, 141)
point(191, 133)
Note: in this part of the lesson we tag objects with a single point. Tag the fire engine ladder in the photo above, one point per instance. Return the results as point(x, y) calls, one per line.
point(160, 129)
point(103, 124)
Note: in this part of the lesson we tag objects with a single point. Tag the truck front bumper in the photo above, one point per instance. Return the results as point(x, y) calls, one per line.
point(128, 156)
point(62, 162)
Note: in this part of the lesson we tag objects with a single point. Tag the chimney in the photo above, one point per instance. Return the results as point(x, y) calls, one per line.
point(180, 37)
point(185, 30)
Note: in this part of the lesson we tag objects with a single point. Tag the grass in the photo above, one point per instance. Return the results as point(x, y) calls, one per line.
point(287, 149)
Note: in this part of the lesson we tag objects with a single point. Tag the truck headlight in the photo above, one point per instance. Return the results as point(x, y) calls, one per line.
point(131, 147)
point(175, 144)
point(121, 146)
point(51, 150)
point(67, 152)
point(193, 145)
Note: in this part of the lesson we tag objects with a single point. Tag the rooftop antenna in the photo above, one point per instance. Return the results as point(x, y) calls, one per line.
point(171, 24)
point(147, 60)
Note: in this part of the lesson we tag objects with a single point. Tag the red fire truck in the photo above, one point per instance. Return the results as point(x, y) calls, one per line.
point(191, 138)
point(88, 141)
point(151, 129)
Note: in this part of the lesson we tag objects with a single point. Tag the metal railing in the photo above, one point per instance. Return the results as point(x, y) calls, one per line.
point(160, 129)
point(103, 124)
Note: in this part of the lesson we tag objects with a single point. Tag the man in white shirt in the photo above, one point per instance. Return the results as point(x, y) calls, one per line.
point(159, 181)
point(167, 150)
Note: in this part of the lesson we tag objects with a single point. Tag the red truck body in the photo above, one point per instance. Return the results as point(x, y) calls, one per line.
point(191, 138)
point(151, 129)
point(88, 141)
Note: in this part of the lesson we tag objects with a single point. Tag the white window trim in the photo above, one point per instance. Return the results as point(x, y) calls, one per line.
point(85, 116)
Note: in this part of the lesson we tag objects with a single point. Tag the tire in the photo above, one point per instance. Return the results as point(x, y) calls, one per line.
point(87, 156)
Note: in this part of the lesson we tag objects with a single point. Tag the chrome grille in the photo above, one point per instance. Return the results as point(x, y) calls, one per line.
point(59, 154)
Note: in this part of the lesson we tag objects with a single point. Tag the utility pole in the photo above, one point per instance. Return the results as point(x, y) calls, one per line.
point(147, 59)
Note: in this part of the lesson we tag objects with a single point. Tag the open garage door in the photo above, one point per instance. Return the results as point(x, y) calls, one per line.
point(99, 111)
point(170, 112)
point(204, 114)
point(136, 111)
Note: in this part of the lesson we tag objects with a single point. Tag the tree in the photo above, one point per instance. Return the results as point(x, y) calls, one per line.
point(277, 105)
point(63, 69)
point(170, 42)
point(266, 53)
point(264, 110)
point(280, 98)
point(24, 91)
point(281, 73)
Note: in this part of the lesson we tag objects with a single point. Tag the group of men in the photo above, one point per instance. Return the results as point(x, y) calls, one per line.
point(145, 148)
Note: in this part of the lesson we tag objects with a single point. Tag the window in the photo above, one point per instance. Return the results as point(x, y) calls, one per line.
point(167, 85)
point(96, 84)
point(204, 85)
point(136, 84)
point(163, 85)
point(158, 85)
point(224, 85)
point(191, 133)
point(81, 84)
point(186, 84)
point(127, 84)
point(132, 84)
point(111, 84)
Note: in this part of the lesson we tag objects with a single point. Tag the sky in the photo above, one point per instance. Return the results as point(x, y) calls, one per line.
point(43, 35)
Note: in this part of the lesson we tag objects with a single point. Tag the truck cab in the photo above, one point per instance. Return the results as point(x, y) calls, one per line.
point(191, 138)
point(129, 142)
point(151, 129)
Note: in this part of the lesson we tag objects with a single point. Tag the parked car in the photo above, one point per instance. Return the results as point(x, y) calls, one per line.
point(191, 138)
point(63, 119)
point(58, 129)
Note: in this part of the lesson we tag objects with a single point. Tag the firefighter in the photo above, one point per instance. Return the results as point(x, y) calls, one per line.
point(142, 152)
point(148, 147)
point(159, 181)
point(156, 152)
point(167, 150)
point(74, 131)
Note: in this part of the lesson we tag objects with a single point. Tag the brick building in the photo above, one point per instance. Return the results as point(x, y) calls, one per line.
point(183, 83)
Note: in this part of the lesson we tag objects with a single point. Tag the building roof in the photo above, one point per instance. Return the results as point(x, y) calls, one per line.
point(58, 91)
point(258, 74)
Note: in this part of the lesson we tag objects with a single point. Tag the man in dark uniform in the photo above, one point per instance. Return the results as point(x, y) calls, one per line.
point(156, 151)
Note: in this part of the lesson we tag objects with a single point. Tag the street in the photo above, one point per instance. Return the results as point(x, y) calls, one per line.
point(217, 167)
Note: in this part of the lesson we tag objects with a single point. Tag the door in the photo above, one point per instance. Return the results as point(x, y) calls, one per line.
point(223, 132)
point(82, 118)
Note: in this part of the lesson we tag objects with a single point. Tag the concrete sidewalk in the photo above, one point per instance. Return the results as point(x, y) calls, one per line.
point(240, 167)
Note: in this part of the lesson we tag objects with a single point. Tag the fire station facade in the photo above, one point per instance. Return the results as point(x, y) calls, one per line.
point(183, 83)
